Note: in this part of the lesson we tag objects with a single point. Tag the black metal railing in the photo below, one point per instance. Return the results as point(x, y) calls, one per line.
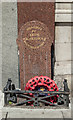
point(11, 94)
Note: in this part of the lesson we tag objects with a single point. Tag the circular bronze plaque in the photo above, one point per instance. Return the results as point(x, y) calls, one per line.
point(34, 34)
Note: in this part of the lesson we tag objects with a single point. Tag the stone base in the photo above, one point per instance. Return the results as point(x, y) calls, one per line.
point(36, 113)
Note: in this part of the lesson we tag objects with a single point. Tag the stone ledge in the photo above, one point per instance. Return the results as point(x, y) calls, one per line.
point(64, 1)
point(63, 6)
point(36, 113)
point(28, 0)
point(63, 11)
point(63, 17)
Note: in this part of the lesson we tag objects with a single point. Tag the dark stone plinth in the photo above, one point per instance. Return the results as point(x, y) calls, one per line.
point(36, 35)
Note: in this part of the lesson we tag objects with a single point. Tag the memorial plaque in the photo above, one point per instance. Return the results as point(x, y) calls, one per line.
point(34, 41)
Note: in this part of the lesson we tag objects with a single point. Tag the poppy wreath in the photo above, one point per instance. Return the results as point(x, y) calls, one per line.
point(42, 83)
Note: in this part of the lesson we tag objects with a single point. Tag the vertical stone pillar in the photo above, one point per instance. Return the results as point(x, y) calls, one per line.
point(63, 41)
point(9, 46)
point(1, 95)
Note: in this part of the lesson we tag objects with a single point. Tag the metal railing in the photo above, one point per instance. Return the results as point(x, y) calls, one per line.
point(11, 94)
